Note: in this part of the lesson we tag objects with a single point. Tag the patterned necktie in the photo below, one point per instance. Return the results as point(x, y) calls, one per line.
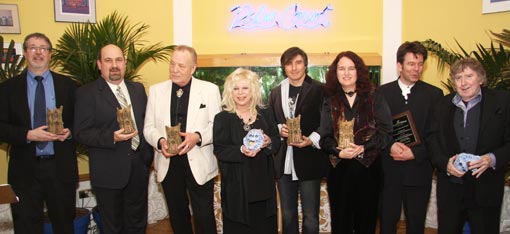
point(135, 141)
point(40, 109)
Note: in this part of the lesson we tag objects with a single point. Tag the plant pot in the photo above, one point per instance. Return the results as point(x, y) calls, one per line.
point(81, 222)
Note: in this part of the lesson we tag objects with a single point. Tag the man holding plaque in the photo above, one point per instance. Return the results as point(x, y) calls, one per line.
point(300, 165)
point(119, 160)
point(406, 168)
point(41, 162)
point(470, 126)
point(190, 103)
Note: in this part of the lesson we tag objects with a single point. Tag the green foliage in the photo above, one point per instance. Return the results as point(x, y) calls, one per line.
point(12, 64)
point(77, 49)
point(494, 59)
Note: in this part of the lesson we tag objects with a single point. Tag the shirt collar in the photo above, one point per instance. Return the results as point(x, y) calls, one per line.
point(457, 101)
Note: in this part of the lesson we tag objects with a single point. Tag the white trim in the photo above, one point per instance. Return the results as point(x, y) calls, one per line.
point(392, 38)
point(183, 24)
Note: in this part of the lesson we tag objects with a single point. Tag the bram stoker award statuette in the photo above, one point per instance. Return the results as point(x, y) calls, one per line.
point(404, 129)
point(125, 120)
point(253, 139)
point(294, 130)
point(54, 120)
point(173, 139)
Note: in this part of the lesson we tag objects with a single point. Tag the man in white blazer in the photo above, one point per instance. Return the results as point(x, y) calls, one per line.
point(193, 103)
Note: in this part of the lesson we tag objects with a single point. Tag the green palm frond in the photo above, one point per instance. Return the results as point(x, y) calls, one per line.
point(12, 64)
point(77, 50)
point(502, 38)
point(494, 59)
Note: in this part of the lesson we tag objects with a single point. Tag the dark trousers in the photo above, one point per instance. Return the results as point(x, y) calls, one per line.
point(453, 211)
point(177, 185)
point(259, 223)
point(310, 204)
point(60, 200)
point(124, 210)
point(414, 199)
point(354, 197)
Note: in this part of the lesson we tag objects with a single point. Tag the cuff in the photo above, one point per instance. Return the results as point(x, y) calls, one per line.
point(315, 138)
point(493, 160)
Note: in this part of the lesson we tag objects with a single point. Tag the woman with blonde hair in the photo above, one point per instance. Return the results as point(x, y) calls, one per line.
point(245, 137)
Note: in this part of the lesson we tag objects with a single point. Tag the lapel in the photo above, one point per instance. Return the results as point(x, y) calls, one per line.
point(164, 102)
point(489, 107)
point(305, 90)
point(59, 96)
point(133, 97)
point(193, 104)
point(106, 92)
point(23, 97)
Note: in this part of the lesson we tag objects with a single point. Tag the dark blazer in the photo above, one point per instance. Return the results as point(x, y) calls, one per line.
point(309, 162)
point(95, 122)
point(423, 96)
point(15, 122)
point(493, 136)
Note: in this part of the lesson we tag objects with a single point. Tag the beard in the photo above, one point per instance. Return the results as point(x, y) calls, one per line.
point(115, 77)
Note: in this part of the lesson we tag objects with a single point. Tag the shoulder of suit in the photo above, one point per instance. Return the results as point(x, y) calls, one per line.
point(203, 82)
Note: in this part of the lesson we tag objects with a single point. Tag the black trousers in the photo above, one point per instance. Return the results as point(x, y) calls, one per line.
point(354, 197)
point(453, 211)
point(177, 185)
point(414, 199)
point(60, 200)
point(124, 210)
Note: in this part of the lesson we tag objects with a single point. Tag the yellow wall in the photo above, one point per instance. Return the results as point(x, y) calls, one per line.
point(445, 21)
point(356, 26)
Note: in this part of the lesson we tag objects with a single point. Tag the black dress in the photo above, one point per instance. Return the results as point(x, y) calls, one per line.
point(248, 197)
point(353, 187)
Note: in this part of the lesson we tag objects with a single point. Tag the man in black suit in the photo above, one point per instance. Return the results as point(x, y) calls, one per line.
point(473, 120)
point(407, 170)
point(299, 167)
point(119, 161)
point(42, 165)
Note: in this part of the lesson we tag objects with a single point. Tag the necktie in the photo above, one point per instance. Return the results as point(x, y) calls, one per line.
point(135, 141)
point(40, 109)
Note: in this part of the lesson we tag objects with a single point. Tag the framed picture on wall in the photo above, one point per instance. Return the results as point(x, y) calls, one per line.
point(9, 18)
point(75, 11)
point(491, 6)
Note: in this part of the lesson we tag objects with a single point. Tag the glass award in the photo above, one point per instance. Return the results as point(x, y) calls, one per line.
point(253, 139)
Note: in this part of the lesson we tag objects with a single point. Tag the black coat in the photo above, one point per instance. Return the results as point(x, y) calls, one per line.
point(310, 163)
point(15, 122)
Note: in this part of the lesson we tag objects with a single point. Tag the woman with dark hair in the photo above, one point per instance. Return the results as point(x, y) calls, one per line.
point(361, 130)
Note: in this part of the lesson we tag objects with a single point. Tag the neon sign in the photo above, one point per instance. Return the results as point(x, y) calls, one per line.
point(293, 17)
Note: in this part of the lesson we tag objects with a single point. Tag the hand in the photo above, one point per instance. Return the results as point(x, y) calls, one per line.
point(267, 141)
point(119, 135)
point(40, 134)
point(306, 142)
point(249, 153)
point(190, 140)
point(351, 152)
point(164, 148)
point(401, 152)
point(64, 135)
point(284, 132)
point(480, 165)
point(451, 169)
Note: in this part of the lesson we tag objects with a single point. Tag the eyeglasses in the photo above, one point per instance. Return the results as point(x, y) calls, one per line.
point(42, 49)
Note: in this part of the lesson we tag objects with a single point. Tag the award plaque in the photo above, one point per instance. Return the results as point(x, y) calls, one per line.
point(125, 120)
point(404, 130)
point(253, 139)
point(173, 139)
point(54, 120)
point(294, 130)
